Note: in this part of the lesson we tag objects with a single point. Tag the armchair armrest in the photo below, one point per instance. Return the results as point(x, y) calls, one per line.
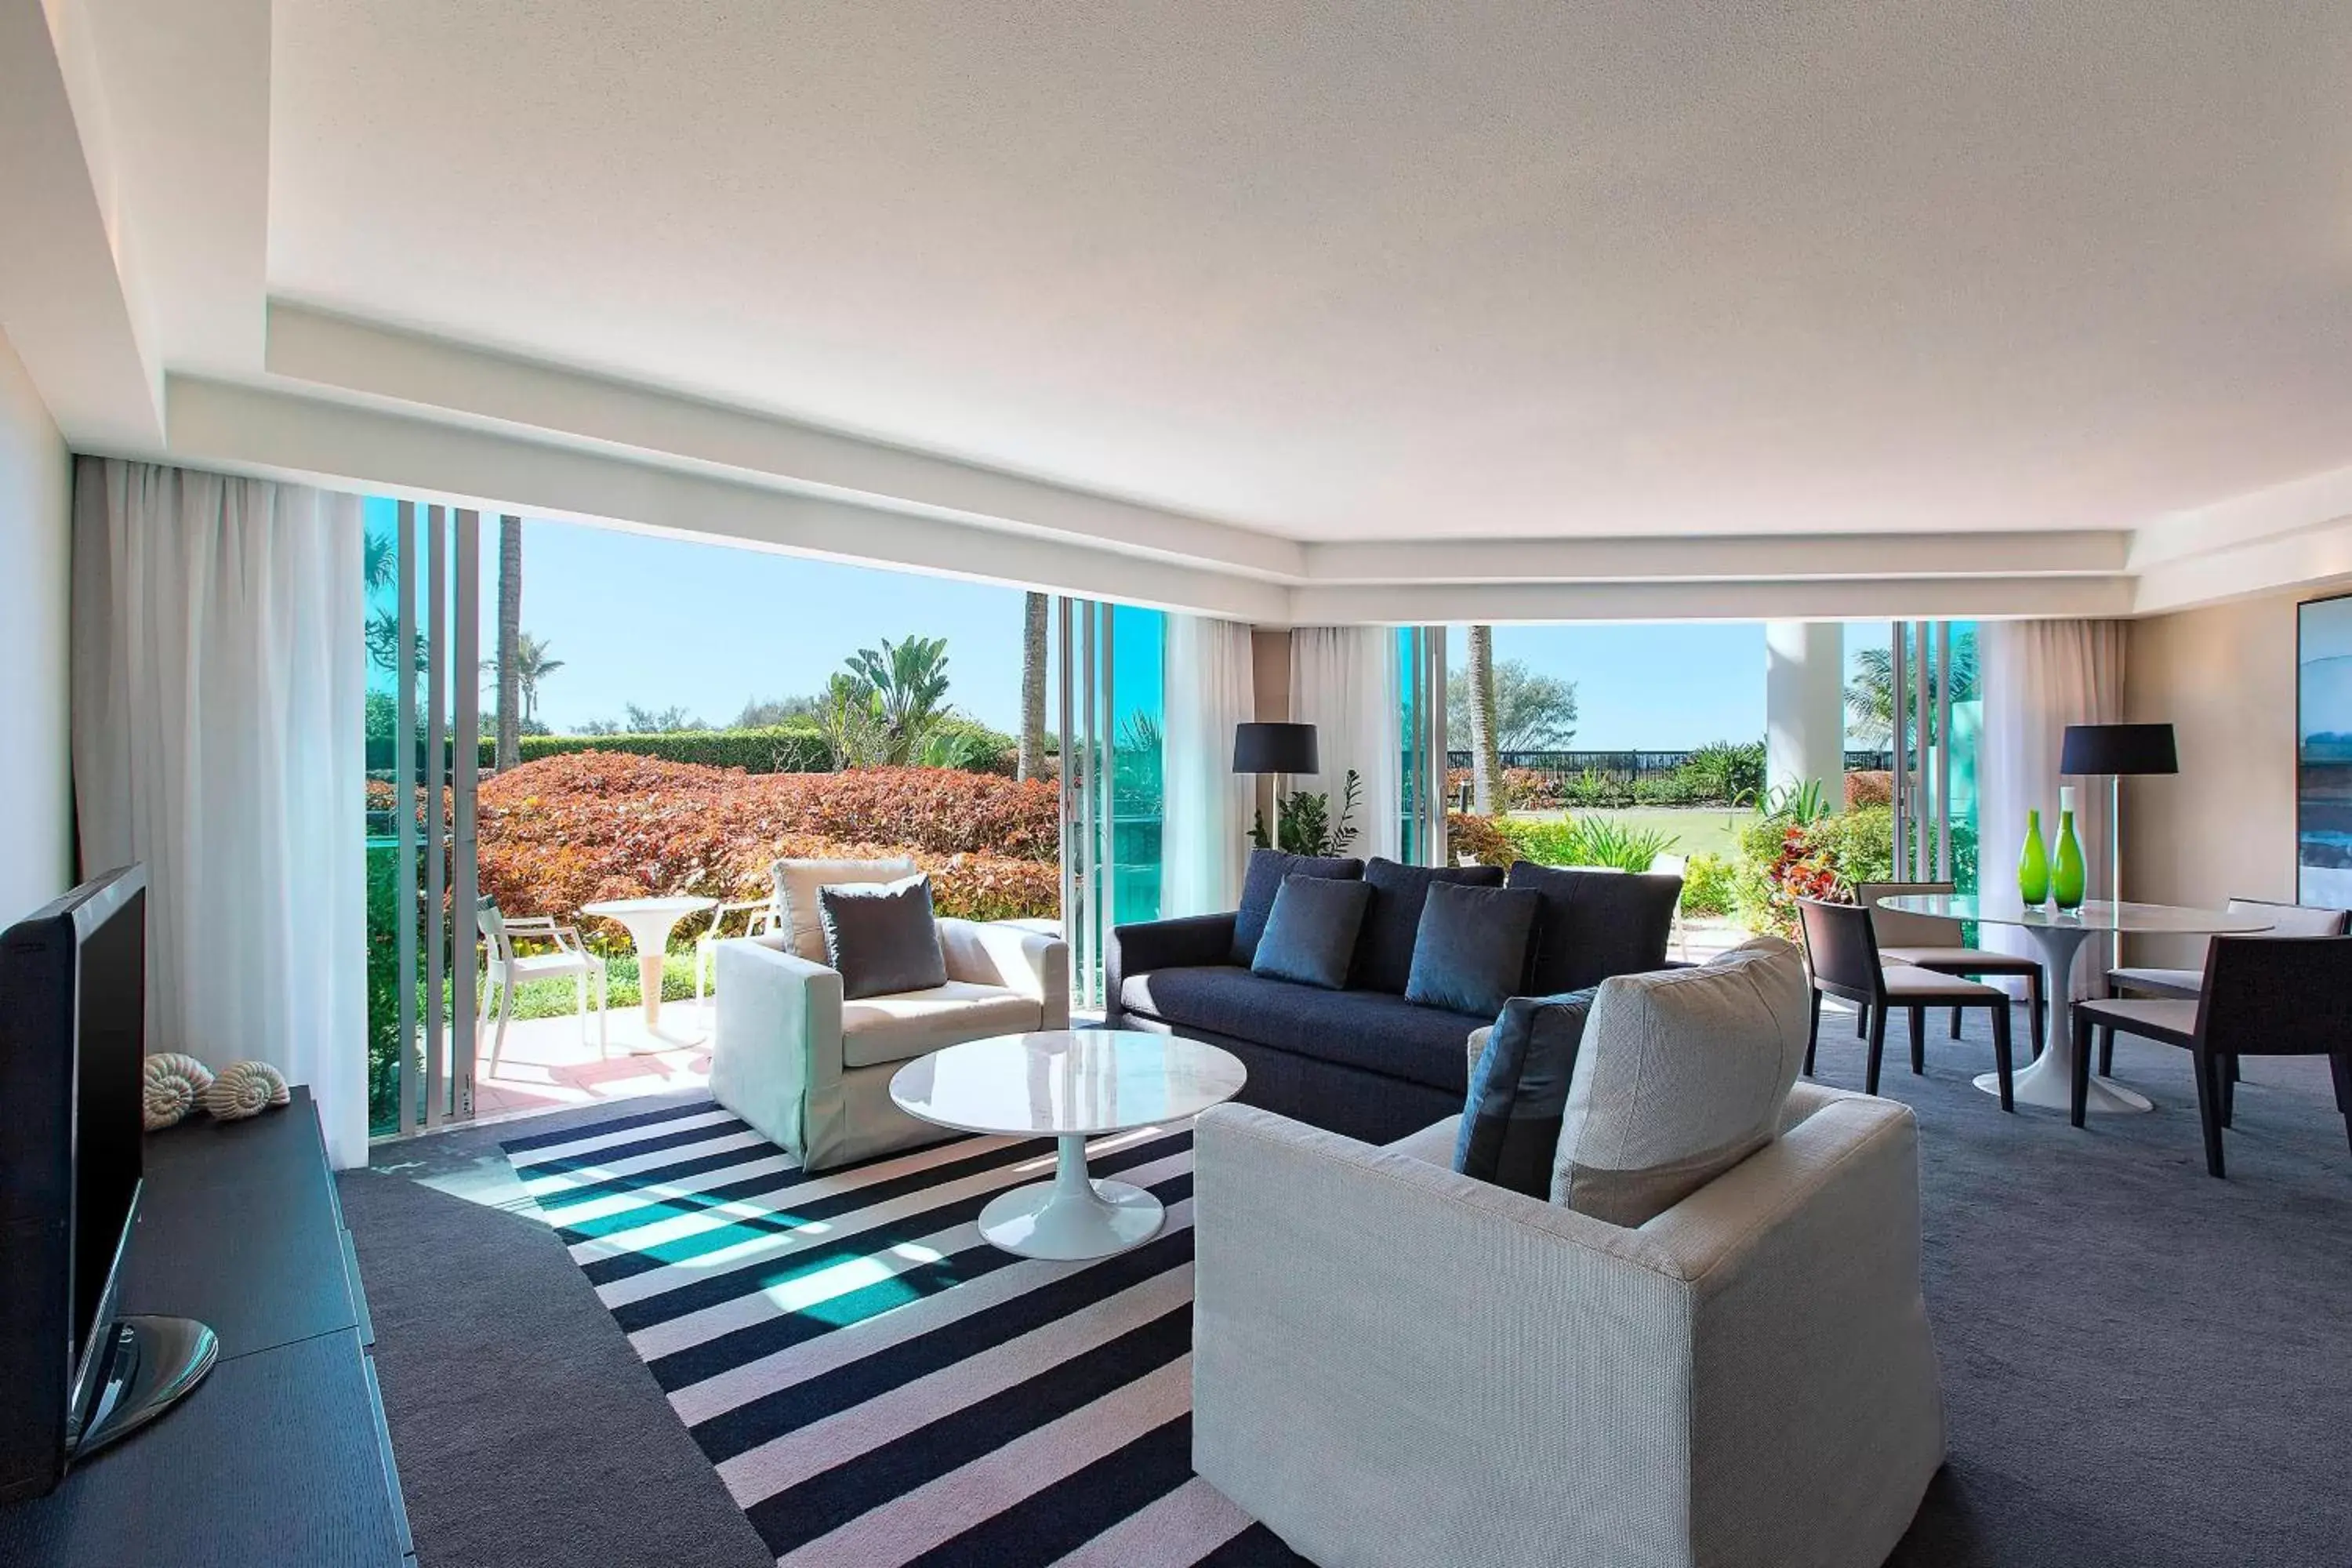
point(1181, 944)
point(1033, 964)
point(778, 1032)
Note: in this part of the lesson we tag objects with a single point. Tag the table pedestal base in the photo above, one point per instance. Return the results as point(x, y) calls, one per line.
point(2049, 1084)
point(1071, 1216)
point(2045, 1085)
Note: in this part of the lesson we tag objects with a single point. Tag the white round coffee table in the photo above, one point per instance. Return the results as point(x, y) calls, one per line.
point(649, 922)
point(1070, 1085)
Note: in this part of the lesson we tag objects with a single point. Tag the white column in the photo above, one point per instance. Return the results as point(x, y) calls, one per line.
point(1804, 705)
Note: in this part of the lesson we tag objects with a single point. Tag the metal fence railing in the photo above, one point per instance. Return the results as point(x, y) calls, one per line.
point(1635, 767)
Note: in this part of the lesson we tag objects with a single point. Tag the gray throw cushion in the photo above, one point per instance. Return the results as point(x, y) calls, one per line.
point(1683, 1073)
point(882, 937)
point(1267, 868)
point(1518, 1092)
point(1472, 947)
point(1595, 924)
point(1310, 936)
point(1392, 920)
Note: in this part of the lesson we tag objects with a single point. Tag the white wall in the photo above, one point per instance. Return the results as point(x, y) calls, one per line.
point(2223, 677)
point(36, 782)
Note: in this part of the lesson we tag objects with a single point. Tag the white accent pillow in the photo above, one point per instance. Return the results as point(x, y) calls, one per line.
point(1683, 1074)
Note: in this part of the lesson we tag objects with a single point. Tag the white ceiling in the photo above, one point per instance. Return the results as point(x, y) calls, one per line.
point(1337, 311)
point(1352, 271)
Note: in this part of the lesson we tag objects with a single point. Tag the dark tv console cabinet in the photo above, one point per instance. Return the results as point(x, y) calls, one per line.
point(280, 1456)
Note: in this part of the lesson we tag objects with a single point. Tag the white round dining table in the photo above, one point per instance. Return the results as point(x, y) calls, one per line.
point(2060, 934)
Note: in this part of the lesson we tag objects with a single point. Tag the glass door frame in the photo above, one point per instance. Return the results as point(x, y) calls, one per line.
point(434, 1085)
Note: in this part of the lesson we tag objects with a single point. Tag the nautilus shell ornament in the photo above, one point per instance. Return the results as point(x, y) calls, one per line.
point(245, 1088)
point(174, 1084)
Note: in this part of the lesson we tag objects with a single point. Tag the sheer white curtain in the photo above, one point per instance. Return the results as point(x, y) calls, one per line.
point(1204, 835)
point(2038, 677)
point(1343, 681)
point(217, 694)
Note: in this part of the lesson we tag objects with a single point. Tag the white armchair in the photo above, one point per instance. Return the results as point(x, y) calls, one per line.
point(1395, 1364)
point(812, 1071)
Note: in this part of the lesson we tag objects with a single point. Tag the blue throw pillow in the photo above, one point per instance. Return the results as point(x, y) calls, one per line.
point(1310, 934)
point(1392, 921)
point(1472, 947)
point(1267, 868)
point(1518, 1092)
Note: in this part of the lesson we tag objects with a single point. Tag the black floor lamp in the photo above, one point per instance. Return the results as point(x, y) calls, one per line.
point(1275, 749)
point(2118, 750)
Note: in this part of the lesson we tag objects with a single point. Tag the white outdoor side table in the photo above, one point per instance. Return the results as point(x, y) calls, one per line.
point(649, 922)
point(2060, 934)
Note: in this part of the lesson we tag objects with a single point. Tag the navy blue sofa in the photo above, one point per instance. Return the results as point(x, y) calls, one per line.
point(1364, 1061)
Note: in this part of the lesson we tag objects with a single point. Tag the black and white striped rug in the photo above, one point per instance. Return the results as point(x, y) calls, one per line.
point(874, 1384)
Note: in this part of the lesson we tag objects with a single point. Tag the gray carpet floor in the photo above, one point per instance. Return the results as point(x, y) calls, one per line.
point(2141, 1365)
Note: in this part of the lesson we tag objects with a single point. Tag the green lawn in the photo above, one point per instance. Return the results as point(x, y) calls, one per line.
point(1698, 830)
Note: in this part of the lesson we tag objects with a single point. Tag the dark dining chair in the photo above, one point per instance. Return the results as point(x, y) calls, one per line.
point(2259, 996)
point(1934, 942)
point(2183, 985)
point(1842, 952)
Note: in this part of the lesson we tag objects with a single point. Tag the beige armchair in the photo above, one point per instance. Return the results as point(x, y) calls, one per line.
point(1395, 1364)
point(811, 1070)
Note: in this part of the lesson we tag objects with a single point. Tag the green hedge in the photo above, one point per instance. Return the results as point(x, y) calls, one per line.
point(781, 749)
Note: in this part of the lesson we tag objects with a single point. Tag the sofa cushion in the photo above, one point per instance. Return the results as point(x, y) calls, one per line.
point(1392, 920)
point(1267, 868)
point(879, 1029)
point(1472, 949)
point(1682, 1074)
point(797, 882)
point(1518, 1092)
point(881, 937)
point(1366, 1029)
point(1310, 937)
point(1595, 924)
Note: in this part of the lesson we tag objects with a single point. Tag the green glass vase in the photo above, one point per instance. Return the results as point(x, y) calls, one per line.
point(2033, 864)
point(2066, 874)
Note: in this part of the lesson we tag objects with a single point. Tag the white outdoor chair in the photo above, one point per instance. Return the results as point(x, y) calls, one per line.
point(506, 969)
point(761, 920)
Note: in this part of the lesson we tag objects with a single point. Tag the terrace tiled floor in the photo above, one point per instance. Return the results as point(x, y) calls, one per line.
point(545, 1065)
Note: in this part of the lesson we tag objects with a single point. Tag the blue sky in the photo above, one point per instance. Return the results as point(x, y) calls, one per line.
point(657, 622)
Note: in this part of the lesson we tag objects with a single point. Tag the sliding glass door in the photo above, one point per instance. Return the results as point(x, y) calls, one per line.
point(1109, 704)
point(1421, 687)
point(423, 731)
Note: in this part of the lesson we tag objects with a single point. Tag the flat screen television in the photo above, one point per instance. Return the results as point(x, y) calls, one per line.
point(73, 1005)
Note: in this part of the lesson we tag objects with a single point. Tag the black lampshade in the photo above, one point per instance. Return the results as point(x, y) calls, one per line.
point(1275, 748)
point(2118, 749)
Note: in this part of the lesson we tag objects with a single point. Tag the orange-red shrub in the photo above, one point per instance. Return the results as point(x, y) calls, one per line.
point(568, 830)
point(1478, 838)
point(1869, 789)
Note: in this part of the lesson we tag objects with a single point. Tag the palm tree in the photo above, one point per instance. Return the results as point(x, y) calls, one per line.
point(531, 665)
point(1486, 750)
point(379, 561)
point(1033, 687)
point(510, 750)
point(1870, 696)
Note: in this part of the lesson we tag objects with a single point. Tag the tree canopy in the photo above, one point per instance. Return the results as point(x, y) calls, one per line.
point(1533, 712)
